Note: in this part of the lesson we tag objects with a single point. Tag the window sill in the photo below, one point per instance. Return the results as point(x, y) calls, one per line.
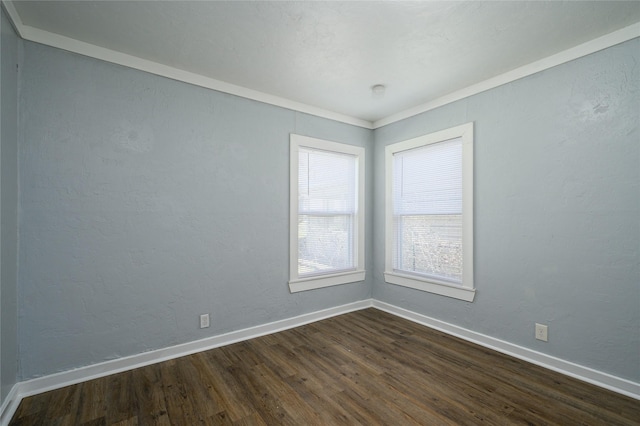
point(311, 283)
point(443, 289)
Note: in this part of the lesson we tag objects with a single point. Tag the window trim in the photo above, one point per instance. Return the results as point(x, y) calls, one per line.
point(466, 291)
point(296, 283)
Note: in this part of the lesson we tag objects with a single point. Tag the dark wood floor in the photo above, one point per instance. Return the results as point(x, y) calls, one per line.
point(366, 367)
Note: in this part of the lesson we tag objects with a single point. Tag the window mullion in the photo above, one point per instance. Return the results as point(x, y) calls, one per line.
point(326, 235)
point(428, 235)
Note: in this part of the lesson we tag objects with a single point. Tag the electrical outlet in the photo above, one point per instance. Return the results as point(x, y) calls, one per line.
point(204, 320)
point(542, 332)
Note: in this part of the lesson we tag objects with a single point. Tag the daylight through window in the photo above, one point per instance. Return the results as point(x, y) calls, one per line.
point(430, 213)
point(327, 213)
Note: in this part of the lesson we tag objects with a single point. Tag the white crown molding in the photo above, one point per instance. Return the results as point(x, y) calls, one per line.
point(86, 49)
point(14, 18)
point(586, 374)
point(584, 49)
point(75, 46)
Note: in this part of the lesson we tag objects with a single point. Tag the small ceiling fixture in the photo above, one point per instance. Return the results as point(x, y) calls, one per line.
point(377, 91)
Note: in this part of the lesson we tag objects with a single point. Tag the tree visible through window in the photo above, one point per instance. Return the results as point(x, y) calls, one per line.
point(327, 209)
point(429, 233)
point(427, 210)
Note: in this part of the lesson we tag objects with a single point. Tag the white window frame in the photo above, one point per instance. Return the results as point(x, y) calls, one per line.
point(466, 291)
point(297, 283)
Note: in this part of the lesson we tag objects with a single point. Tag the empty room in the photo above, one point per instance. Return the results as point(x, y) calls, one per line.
point(320, 213)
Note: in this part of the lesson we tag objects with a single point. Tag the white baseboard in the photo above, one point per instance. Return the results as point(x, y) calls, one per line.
point(586, 374)
point(59, 380)
point(10, 405)
point(94, 371)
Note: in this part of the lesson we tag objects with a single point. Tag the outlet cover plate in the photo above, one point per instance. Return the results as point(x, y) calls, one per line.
point(204, 320)
point(542, 332)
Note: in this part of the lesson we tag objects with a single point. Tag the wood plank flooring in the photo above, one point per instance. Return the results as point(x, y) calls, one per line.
point(365, 367)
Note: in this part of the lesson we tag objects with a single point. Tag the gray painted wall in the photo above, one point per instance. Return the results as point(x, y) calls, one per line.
point(557, 217)
point(145, 202)
point(9, 44)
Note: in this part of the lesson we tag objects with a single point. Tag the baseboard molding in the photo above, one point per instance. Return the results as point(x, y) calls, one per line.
point(59, 380)
point(9, 405)
point(586, 374)
point(94, 371)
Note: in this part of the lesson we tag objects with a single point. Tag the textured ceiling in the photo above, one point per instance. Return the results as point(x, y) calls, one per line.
point(329, 54)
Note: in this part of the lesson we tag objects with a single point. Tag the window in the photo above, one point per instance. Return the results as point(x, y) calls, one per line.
point(327, 213)
point(429, 213)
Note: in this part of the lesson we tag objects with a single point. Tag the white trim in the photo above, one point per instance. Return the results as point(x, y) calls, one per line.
point(297, 283)
point(466, 291)
point(584, 49)
point(431, 286)
point(14, 18)
point(108, 55)
point(10, 405)
point(65, 43)
point(12, 400)
point(312, 283)
point(90, 372)
point(586, 374)
point(59, 380)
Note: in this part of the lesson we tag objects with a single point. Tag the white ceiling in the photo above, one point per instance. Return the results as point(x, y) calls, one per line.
point(328, 54)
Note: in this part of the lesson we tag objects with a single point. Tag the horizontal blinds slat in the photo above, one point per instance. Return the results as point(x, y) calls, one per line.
point(427, 209)
point(325, 213)
point(327, 186)
point(326, 182)
point(428, 179)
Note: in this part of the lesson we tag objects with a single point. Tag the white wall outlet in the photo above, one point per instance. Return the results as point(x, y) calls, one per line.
point(204, 320)
point(542, 332)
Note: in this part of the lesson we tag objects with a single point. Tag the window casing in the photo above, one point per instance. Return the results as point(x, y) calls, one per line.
point(429, 213)
point(326, 213)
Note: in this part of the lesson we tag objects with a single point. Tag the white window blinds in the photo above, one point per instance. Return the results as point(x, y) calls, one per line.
point(327, 206)
point(427, 211)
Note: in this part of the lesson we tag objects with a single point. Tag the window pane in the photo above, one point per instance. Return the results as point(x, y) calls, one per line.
point(429, 213)
point(429, 245)
point(326, 213)
point(428, 180)
point(325, 244)
point(427, 206)
point(326, 182)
